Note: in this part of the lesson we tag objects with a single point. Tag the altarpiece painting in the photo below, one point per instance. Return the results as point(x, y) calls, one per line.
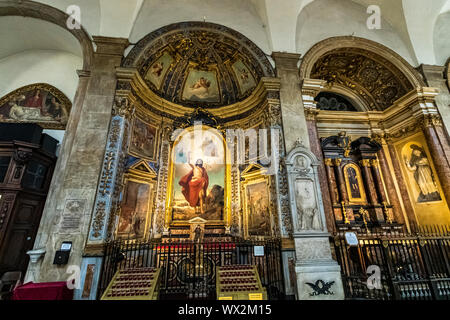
point(199, 176)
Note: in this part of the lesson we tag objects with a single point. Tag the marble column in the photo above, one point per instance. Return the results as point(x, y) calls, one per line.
point(371, 191)
point(292, 109)
point(402, 187)
point(82, 154)
point(343, 192)
point(436, 78)
point(380, 188)
point(439, 147)
point(390, 188)
point(334, 196)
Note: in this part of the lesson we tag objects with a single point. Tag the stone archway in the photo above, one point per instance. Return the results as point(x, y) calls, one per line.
point(44, 12)
point(370, 71)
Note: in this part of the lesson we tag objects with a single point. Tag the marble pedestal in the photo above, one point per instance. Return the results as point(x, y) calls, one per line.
point(318, 275)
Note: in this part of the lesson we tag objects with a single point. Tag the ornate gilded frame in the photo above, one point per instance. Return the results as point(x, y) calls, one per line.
point(155, 144)
point(352, 200)
point(226, 222)
point(255, 174)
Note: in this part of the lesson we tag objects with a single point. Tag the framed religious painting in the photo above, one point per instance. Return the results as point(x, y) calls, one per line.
point(199, 180)
point(158, 70)
point(201, 86)
point(38, 103)
point(245, 79)
point(138, 196)
point(422, 182)
point(144, 140)
point(256, 202)
point(354, 184)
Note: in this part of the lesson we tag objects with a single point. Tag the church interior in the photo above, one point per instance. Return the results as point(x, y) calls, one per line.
point(225, 149)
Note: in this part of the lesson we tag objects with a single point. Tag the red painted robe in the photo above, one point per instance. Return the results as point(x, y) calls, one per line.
point(34, 102)
point(191, 189)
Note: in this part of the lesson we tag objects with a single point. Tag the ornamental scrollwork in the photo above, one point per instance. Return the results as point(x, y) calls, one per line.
point(99, 222)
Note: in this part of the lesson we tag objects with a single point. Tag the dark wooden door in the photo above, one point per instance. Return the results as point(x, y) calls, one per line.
point(21, 234)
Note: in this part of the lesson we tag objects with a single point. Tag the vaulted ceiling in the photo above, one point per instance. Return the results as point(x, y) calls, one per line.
point(275, 25)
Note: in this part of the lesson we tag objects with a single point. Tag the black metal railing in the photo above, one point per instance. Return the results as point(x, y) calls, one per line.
point(413, 266)
point(188, 268)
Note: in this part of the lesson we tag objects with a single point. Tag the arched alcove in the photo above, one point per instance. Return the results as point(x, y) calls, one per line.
point(363, 68)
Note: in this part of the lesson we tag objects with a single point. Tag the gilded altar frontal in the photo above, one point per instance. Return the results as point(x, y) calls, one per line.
point(224, 150)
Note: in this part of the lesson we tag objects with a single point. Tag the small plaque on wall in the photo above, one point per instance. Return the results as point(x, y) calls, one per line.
point(351, 238)
point(71, 218)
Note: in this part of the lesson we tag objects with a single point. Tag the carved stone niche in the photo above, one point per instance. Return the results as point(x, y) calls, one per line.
point(308, 215)
point(318, 275)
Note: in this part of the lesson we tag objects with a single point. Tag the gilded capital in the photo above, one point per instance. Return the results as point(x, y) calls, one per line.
point(337, 162)
point(328, 162)
point(374, 163)
point(365, 163)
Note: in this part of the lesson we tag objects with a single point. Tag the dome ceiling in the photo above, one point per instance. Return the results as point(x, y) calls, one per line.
point(373, 78)
point(199, 64)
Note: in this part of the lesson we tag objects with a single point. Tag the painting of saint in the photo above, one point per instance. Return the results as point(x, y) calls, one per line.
point(201, 86)
point(258, 218)
point(35, 104)
point(419, 165)
point(143, 140)
point(244, 77)
point(353, 182)
point(134, 210)
point(199, 176)
point(157, 71)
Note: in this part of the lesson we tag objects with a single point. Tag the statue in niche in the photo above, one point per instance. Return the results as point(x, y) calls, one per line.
point(418, 164)
point(307, 211)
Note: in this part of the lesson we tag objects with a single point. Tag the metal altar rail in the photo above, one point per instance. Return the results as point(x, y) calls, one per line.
point(413, 266)
point(188, 268)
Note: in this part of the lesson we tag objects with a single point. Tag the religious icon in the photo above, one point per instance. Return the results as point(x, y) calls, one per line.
point(194, 185)
point(353, 182)
point(134, 209)
point(258, 217)
point(40, 103)
point(199, 176)
point(344, 142)
point(143, 140)
point(245, 79)
point(201, 86)
point(418, 164)
point(158, 70)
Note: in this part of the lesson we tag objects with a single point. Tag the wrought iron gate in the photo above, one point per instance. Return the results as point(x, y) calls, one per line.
point(412, 266)
point(188, 268)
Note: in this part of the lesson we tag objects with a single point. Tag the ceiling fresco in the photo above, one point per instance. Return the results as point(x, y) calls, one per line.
point(199, 64)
